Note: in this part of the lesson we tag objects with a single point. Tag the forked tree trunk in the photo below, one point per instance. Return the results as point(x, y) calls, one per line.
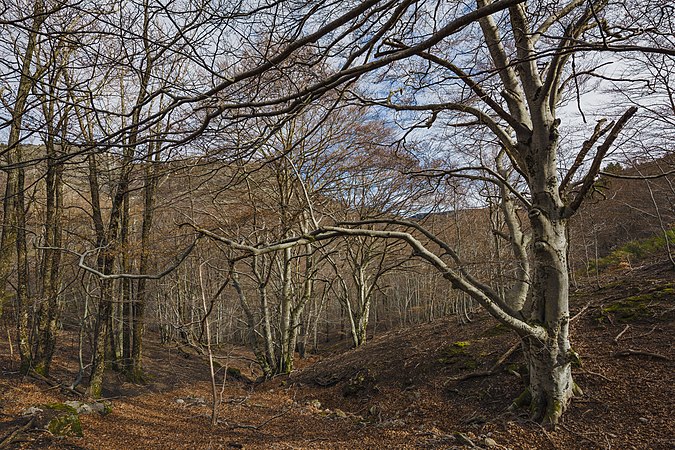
point(264, 361)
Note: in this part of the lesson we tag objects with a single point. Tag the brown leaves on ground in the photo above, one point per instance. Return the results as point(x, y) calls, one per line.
point(396, 392)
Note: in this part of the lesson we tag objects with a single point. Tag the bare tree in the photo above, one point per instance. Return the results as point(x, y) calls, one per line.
point(485, 84)
point(511, 91)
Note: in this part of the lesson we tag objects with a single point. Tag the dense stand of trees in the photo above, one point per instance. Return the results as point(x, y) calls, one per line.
point(280, 173)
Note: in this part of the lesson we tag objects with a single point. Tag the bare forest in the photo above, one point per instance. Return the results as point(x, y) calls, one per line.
point(337, 224)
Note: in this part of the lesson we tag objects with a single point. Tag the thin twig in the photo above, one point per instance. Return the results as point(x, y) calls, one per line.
point(618, 336)
point(547, 434)
point(583, 436)
point(583, 310)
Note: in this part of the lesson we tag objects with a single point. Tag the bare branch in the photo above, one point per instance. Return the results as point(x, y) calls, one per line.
point(585, 148)
point(589, 179)
point(637, 177)
point(83, 256)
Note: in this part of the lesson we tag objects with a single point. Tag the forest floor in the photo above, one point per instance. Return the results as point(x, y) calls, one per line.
point(425, 386)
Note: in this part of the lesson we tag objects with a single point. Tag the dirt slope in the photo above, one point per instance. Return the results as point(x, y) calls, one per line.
point(402, 390)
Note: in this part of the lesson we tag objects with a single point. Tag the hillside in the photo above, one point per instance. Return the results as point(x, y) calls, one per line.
point(423, 387)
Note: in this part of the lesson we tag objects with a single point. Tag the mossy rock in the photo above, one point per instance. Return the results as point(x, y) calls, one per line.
point(137, 376)
point(450, 352)
point(627, 310)
point(60, 407)
point(103, 408)
point(235, 374)
point(66, 425)
point(59, 419)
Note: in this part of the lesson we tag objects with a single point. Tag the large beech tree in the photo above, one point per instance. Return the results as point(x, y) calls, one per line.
point(500, 72)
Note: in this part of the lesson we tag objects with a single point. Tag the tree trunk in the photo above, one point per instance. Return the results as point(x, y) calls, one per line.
point(549, 361)
point(251, 335)
point(100, 340)
point(14, 226)
point(108, 242)
point(550, 375)
point(51, 268)
point(550, 378)
point(138, 307)
point(22, 275)
point(362, 327)
point(286, 325)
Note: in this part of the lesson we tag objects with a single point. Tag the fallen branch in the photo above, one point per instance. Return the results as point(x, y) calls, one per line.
point(55, 384)
point(10, 437)
point(631, 352)
point(596, 374)
point(646, 334)
point(583, 310)
point(492, 369)
point(618, 336)
point(259, 426)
